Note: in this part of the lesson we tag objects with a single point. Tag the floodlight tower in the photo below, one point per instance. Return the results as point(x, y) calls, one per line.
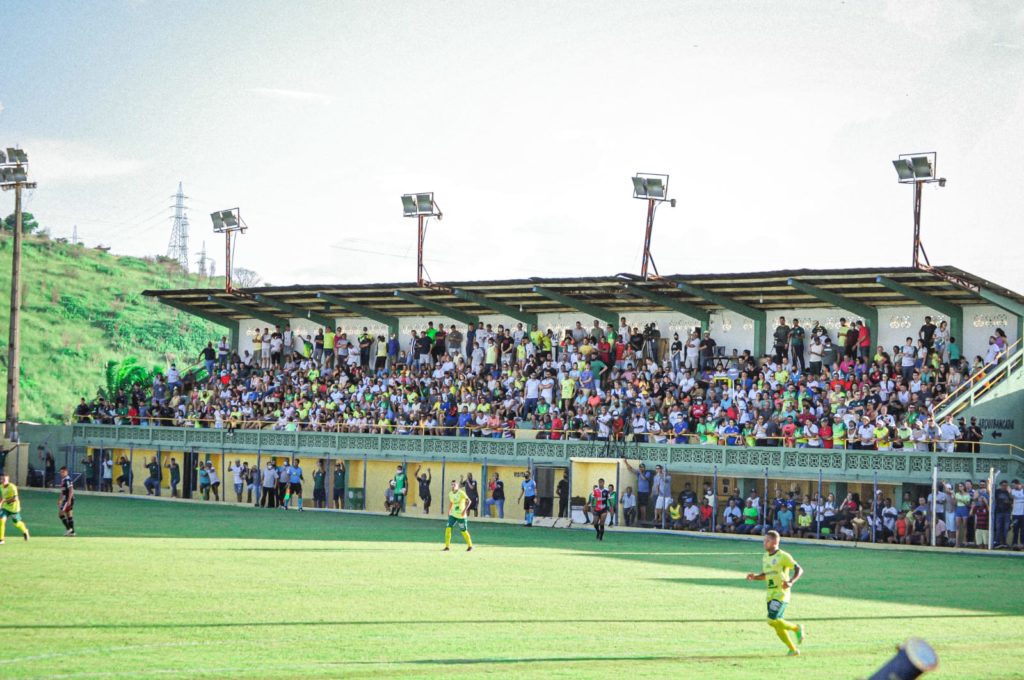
point(918, 169)
point(421, 206)
point(652, 188)
point(14, 176)
point(225, 222)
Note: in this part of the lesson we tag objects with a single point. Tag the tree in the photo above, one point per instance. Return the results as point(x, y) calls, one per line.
point(28, 223)
point(245, 278)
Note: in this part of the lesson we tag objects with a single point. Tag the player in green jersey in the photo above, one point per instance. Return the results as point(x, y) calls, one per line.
point(10, 506)
point(776, 568)
point(458, 502)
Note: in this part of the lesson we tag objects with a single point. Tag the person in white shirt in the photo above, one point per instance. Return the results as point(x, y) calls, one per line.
point(691, 516)
point(629, 506)
point(1017, 514)
point(236, 478)
point(731, 517)
point(949, 434)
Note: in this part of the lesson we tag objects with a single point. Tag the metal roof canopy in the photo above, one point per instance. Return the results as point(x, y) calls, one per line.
point(763, 291)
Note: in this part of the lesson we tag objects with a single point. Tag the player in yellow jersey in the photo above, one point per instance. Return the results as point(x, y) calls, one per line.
point(458, 502)
point(776, 568)
point(10, 506)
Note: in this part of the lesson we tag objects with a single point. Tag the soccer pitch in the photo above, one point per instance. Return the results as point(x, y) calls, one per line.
point(191, 590)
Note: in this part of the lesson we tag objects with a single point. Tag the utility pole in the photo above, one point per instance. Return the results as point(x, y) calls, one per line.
point(14, 175)
point(74, 235)
point(202, 261)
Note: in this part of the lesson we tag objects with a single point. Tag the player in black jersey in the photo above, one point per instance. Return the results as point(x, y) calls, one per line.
point(598, 503)
point(66, 503)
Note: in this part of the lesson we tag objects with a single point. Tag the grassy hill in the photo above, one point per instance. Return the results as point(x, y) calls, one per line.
point(82, 308)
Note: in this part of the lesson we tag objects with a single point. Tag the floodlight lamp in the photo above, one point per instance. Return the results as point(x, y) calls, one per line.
point(425, 203)
point(922, 167)
point(639, 188)
point(655, 188)
point(3, 158)
point(904, 169)
point(229, 218)
point(218, 221)
point(409, 205)
point(16, 155)
point(19, 173)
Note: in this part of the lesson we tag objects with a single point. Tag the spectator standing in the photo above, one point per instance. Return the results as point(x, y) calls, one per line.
point(1003, 506)
point(472, 489)
point(1017, 493)
point(319, 486)
point(204, 480)
point(174, 470)
point(87, 464)
point(644, 479)
point(269, 497)
point(214, 480)
point(125, 478)
point(562, 491)
point(662, 488)
point(781, 340)
point(423, 482)
point(152, 482)
point(497, 489)
point(796, 344)
point(339, 485)
point(237, 479)
point(628, 507)
point(707, 352)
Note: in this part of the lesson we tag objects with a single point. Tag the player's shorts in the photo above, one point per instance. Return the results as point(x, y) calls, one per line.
point(4, 513)
point(528, 503)
point(67, 508)
point(663, 503)
point(459, 522)
point(296, 489)
point(339, 494)
point(776, 609)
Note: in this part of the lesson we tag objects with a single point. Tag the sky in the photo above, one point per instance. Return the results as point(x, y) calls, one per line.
point(777, 123)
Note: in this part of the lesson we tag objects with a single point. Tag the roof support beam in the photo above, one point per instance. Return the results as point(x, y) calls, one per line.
point(529, 318)
point(1005, 303)
point(699, 314)
point(361, 310)
point(445, 310)
point(232, 325)
point(297, 312)
point(249, 312)
point(869, 313)
point(602, 313)
point(758, 316)
point(954, 312)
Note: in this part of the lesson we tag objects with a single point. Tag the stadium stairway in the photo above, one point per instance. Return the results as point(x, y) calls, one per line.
point(996, 398)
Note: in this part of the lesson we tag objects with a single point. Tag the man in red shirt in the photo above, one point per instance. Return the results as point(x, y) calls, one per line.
point(863, 340)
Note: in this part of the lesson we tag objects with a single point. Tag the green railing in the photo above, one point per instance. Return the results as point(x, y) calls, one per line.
point(834, 464)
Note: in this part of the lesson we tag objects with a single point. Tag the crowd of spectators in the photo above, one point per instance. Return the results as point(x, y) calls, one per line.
point(963, 514)
point(816, 389)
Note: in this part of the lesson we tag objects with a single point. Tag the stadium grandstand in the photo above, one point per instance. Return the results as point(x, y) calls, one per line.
point(842, 383)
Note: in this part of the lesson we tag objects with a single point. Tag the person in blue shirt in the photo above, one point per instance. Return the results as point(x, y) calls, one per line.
point(731, 432)
point(294, 484)
point(528, 495)
point(465, 419)
point(643, 488)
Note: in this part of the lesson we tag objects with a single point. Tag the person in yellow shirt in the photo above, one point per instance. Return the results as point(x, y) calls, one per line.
point(780, 571)
point(458, 502)
point(10, 506)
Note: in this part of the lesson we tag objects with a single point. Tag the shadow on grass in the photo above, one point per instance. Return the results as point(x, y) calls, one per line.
point(473, 622)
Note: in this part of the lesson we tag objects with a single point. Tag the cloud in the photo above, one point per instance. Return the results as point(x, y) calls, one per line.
point(1, 107)
point(60, 160)
point(293, 95)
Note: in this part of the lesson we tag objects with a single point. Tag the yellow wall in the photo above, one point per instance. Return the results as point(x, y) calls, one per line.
point(585, 474)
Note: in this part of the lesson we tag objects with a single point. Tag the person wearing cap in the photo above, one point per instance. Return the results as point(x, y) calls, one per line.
point(691, 515)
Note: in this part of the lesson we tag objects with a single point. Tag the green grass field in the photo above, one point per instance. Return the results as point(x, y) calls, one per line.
point(185, 590)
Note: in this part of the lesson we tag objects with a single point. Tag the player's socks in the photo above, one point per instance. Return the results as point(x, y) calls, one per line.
point(467, 539)
point(71, 524)
point(3, 529)
point(300, 502)
point(447, 536)
point(800, 634)
point(783, 632)
point(64, 520)
point(21, 527)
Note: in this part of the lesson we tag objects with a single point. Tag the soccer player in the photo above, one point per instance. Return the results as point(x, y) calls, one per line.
point(295, 480)
point(10, 506)
point(598, 502)
point(458, 501)
point(66, 503)
point(776, 566)
point(401, 488)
